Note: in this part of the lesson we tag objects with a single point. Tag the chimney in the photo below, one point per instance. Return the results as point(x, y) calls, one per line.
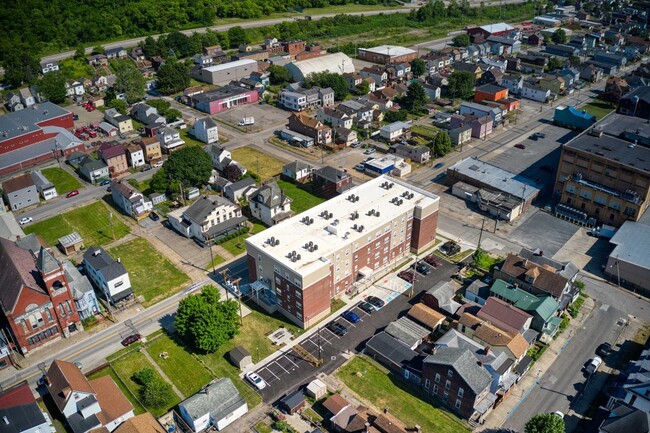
point(97, 252)
point(366, 427)
point(119, 260)
point(66, 391)
point(487, 350)
point(48, 382)
point(6, 420)
point(207, 390)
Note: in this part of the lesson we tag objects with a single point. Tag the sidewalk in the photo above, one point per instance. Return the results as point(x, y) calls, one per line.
point(520, 391)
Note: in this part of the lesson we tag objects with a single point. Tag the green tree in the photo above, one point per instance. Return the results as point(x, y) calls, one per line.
point(461, 40)
point(237, 36)
point(416, 97)
point(160, 181)
point(545, 423)
point(80, 53)
point(554, 63)
point(150, 47)
point(559, 37)
point(20, 65)
point(130, 82)
point(206, 322)
point(121, 106)
point(161, 105)
point(155, 392)
point(173, 115)
point(191, 166)
point(279, 75)
point(173, 76)
point(396, 116)
point(98, 50)
point(418, 67)
point(52, 86)
point(363, 88)
point(442, 144)
point(329, 79)
point(461, 84)
point(232, 172)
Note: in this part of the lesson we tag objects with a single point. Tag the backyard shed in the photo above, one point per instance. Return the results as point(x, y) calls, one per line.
point(293, 402)
point(316, 389)
point(71, 243)
point(240, 358)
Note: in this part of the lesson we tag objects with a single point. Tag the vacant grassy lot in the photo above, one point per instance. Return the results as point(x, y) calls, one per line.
point(424, 131)
point(259, 163)
point(385, 390)
point(598, 108)
point(92, 222)
point(151, 274)
point(127, 366)
point(63, 181)
point(252, 336)
point(182, 369)
point(302, 200)
point(109, 372)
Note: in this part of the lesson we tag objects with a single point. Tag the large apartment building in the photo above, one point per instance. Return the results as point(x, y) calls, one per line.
point(604, 177)
point(299, 265)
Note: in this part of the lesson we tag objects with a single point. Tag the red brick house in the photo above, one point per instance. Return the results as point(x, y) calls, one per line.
point(37, 303)
point(329, 182)
point(115, 159)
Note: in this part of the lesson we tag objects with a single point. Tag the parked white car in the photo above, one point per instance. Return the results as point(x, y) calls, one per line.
point(256, 380)
point(25, 220)
point(594, 364)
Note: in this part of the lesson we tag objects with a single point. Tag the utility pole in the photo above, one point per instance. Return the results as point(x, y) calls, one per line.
point(480, 237)
point(110, 219)
point(496, 220)
point(241, 315)
point(224, 275)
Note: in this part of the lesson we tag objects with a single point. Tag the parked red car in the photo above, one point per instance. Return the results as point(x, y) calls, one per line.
point(131, 339)
point(432, 260)
point(72, 193)
point(408, 276)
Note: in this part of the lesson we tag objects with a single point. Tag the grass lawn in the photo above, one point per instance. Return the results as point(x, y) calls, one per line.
point(182, 369)
point(263, 427)
point(235, 246)
point(63, 181)
point(384, 389)
point(424, 131)
point(72, 68)
point(259, 163)
point(598, 108)
point(188, 139)
point(302, 200)
point(252, 336)
point(92, 222)
point(152, 275)
point(137, 407)
point(127, 366)
point(215, 262)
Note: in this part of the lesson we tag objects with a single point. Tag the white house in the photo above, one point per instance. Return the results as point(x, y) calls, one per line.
point(221, 158)
point(205, 130)
point(130, 200)
point(297, 171)
point(49, 67)
point(135, 155)
point(210, 217)
point(169, 138)
point(394, 130)
point(293, 100)
point(433, 91)
point(147, 114)
point(108, 129)
point(74, 88)
point(270, 204)
point(108, 275)
point(218, 404)
point(514, 83)
point(334, 117)
point(26, 97)
point(534, 92)
point(43, 186)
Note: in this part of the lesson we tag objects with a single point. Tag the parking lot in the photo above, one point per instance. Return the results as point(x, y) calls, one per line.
point(266, 116)
point(192, 253)
point(290, 370)
point(544, 231)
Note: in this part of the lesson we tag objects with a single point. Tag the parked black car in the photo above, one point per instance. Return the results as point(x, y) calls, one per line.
point(337, 328)
point(375, 302)
point(366, 307)
point(421, 268)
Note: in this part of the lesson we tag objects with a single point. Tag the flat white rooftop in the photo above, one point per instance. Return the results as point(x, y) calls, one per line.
point(333, 233)
point(391, 50)
point(229, 65)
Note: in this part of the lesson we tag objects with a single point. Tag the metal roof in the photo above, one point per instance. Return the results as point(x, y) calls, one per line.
point(390, 348)
point(497, 27)
point(407, 331)
point(632, 240)
point(389, 50)
point(229, 65)
point(338, 63)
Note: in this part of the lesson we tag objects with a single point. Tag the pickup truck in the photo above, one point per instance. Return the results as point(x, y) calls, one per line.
point(604, 231)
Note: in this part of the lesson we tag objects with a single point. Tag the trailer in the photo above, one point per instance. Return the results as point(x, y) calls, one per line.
point(246, 121)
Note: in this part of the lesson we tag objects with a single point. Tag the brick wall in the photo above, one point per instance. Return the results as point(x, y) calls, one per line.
point(424, 231)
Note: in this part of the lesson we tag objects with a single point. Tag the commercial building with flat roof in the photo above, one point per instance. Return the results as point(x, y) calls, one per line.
point(217, 100)
point(299, 265)
point(605, 177)
point(629, 263)
point(224, 73)
point(385, 54)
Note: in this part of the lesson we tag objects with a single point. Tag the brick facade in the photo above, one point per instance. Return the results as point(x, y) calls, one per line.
point(450, 394)
point(424, 231)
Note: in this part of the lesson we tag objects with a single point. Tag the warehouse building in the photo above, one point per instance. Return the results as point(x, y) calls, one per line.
point(217, 100)
point(628, 264)
point(225, 72)
point(297, 267)
point(337, 63)
point(385, 54)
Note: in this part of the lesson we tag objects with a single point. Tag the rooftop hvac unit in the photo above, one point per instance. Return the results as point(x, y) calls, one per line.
point(377, 214)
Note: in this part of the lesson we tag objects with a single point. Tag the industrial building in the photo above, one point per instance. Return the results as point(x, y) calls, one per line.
point(480, 174)
point(297, 267)
point(217, 100)
point(385, 54)
point(605, 177)
point(628, 264)
point(225, 72)
point(337, 63)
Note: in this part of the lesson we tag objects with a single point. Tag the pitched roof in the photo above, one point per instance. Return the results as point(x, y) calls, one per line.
point(219, 399)
point(46, 262)
point(465, 364)
point(91, 164)
point(634, 420)
point(113, 403)
point(391, 348)
point(99, 259)
point(238, 353)
point(18, 271)
point(545, 306)
point(544, 279)
point(331, 174)
point(17, 183)
point(503, 315)
point(19, 410)
point(270, 195)
point(335, 404)
point(425, 315)
point(143, 423)
point(296, 166)
point(444, 293)
point(493, 336)
point(64, 378)
point(407, 331)
point(204, 206)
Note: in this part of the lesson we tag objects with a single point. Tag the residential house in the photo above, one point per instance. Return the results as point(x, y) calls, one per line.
point(169, 138)
point(441, 298)
point(619, 60)
point(334, 117)
point(74, 88)
point(297, 98)
point(571, 76)
point(49, 66)
point(481, 125)
point(93, 170)
point(218, 405)
point(353, 79)
point(591, 73)
point(543, 308)
point(345, 136)
point(492, 76)
point(205, 130)
point(13, 102)
point(426, 316)
point(472, 68)
point(622, 416)
point(37, 303)
point(632, 388)
point(240, 189)
point(116, 53)
point(360, 113)
point(514, 83)
point(83, 294)
point(460, 134)
point(513, 344)
point(43, 186)
point(495, 113)
point(379, 101)
point(329, 182)
point(297, 171)
point(608, 68)
point(419, 154)
point(490, 63)
point(535, 92)
point(561, 50)
point(151, 148)
point(208, 218)
point(108, 275)
point(510, 45)
point(143, 423)
point(222, 158)
point(270, 204)
point(134, 155)
point(130, 200)
point(507, 317)
point(432, 91)
point(26, 97)
point(553, 83)
point(115, 159)
point(97, 60)
point(20, 412)
point(377, 73)
point(147, 114)
point(86, 405)
point(121, 122)
point(536, 39)
point(615, 87)
point(394, 131)
point(407, 331)
point(311, 127)
point(20, 192)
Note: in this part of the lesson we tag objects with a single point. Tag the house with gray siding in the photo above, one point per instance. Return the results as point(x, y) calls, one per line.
point(20, 192)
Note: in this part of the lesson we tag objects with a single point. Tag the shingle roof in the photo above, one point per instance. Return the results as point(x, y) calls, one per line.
point(335, 404)
point(239, 353)
point(79, 284)
point(495, 337)
point(444, 293)
point(100, 260)
point(91, 164)
point(425, 315)
point(544, 279)
point(465, 364)
point(113, 403)
point(633, 421)
point(143, 423)
point(18, 271)
point(545, 306)
point(200, 209)
point(331, 174)
point(391, 348)
point(46, 262)
point(221, 399)
point(504, 315)
point(64, 378)
point(17, 183)
point(270, 195)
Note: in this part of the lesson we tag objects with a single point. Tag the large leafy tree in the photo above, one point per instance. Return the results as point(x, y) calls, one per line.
point(154, 391)
point(173, 76)
point(416, 97)
point(442, 144)
point(279, 75)
point(545, 423)
point(121, 106)
point(20, 65)
point(206, 322)
point(461, 84)
point(554, 63)
point(130, 82)
point(559, 37)
point(329, 79)
point(418, 68)
point(461, 40)
point(52, 86)
point(237, 36)
point(190, 165)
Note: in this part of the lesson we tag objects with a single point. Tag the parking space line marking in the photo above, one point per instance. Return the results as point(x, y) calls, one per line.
point(280, 365)
point(330, 332)
point(267, 369)
point(295, 365)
